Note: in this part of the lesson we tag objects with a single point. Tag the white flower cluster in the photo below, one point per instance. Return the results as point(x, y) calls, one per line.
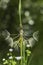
point(3, 3)
point(10, 57)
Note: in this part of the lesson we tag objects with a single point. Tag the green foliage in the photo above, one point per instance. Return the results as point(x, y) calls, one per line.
point(28, 52)
point(9, 20)
point(10, 60)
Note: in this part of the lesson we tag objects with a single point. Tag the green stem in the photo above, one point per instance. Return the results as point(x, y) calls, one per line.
point(21, 40)
point(21, 49)
point(21, 36)
point(26, 60)
point(24, 54)
point(20, 13)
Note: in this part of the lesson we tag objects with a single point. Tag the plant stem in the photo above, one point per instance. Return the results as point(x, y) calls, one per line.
point(26, 60)
point(21, 47)
point(22, 50)
point(21, 37)
point(20, 13)
point(23, 53)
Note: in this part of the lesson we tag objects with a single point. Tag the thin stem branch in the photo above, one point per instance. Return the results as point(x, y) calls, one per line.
point(20, 13)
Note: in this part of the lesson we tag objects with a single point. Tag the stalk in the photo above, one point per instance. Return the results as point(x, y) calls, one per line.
point(24, 53)
point(21, 34)
point(20, 9)
point(22, 47)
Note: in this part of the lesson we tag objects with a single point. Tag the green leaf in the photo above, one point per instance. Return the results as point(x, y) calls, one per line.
point(13, 62)
point(6, 62)
point(28, 52)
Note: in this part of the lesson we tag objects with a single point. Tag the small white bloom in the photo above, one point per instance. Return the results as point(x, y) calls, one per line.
point(28, 45)
point(3, 59)
point(26, 13)
point(31, 22)
point(18, 58)
point(11, 50)
point(10, 57)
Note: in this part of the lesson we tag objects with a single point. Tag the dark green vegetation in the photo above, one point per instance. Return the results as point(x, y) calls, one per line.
point(9, 20)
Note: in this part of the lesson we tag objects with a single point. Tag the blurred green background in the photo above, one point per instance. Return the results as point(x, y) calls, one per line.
point(9, 19)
